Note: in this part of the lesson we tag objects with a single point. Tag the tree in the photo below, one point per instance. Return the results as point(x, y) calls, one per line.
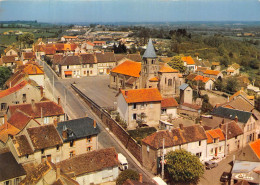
point(176, 63)
point(5, 73)
point(127, 174)
point(184, 167)
point(26, 38)
point(140, 119)
point(232, 85)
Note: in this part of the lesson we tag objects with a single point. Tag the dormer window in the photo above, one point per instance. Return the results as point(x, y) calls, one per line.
point(72, 143)
point(42, 151)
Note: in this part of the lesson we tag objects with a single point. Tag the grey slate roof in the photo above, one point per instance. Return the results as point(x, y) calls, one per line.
point(150, 52)
point(184, 86)
point(9, 168)
point(242, 116)
point(78, 128)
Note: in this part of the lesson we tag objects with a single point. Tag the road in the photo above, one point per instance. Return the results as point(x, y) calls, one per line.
point(75, 107)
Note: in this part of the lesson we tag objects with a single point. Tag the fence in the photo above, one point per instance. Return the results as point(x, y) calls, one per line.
point(132, 146)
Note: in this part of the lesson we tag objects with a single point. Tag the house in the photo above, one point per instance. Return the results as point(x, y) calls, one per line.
point(215, 66)
point(191, 138)
point(126, 75)
point(106, 62)
point(10, 171)
point(189, 63)
point(27, 56)
point(44, 112)
point(246, 121)
point(79, 136)
point(89, 64)
point(139, 105)
point(20, 93)
point(68, 38)
point(12, 51)
point(186, 94)
point(241, 93)
point(7, 130)
point(38, 144)
point(215, 143)
point(70, 67)
point(253, 90)
point(120, 58)
point(213, 74)
point(57, 59)
point(206, 82)
point(93, 167)
point(250, 152)
point(168, 109)
point(8, 61)
point(233, 69)
point(99, 43)
point(150, 73)
point(47, 173)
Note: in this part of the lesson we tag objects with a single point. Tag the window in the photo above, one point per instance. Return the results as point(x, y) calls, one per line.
point(84, 72)
point(58, 147)
point(215, 140)
point(7, 183)
point(90, 65)
point(134, 106)
point(152, 61)
point(134, 117)
point(142, 105)
point(148, 148)
point(3, 106)
point(89, 139)
point(27, 156)
point(163, 111)
point(211, 151)
point(114, 79)
point(68, 66)
point(72, 143)
point(220, 149)
point(199, 143)
point(90, 71)
point(170, 82)
point(165, 80)
point(46, 120)
point(198, 154)
point(72, 153)
point(24, 98)
point(42, 151)
point(16, 181)
point(89, 148)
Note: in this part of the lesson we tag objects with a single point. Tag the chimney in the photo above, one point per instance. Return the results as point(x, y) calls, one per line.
point(223, 121)
point(94, 124)
point(57, 172)
point(236, 119)
point(181, 126)
point(141, 177)
point(220, 126)
point(126, 93)
point(58, 100)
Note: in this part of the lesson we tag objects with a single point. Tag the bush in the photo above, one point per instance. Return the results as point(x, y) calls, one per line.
point(141, 133)
point(127, 174)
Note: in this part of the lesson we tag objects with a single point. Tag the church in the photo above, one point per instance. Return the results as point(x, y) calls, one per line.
point(150, 73)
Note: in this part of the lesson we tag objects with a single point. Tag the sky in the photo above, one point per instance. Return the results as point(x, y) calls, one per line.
point(64, 11)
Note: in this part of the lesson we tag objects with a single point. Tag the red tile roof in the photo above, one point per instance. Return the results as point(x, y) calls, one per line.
point(8, 59)
point(70, 37)
point(96, 160)
point(32, 69)
point(165, 68)
point(193, 106)
point(189, 60)
point(215, 134)
point(211, 72)
point(28, 55)
point(13, 89)
point(201, 78)
point(90, 43)
point(7, 130)
point(255, 145)
point(45, 109)
point(154, 79)
point(22, 145)
point(128, 68)
point(19, 119)
point(141, 95)
point(169, 102)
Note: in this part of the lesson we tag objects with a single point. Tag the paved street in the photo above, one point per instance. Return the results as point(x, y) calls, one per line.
point(76, 108)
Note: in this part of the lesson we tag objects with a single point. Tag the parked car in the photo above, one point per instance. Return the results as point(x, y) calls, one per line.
point(225, 177)
point(210, 164)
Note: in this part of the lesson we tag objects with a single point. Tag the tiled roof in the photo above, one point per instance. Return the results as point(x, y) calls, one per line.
point(184, 86)
point(189, 60)
point(255, 145)
point(15, 78)
point(120, 56)
point(175, 137)
point(88, 58)
point(191, 76)
point(239, 103)
point(149, 52)
point(201, 69)
point(211, 72)
point(28, 55)
point(70, 60)
point(9, 168)
point(154, 79)
point(45, 109)
point(90, 43)
point(19, 119)
point(70, 37)
point(78, 128)
point(44, 136)
point(141, 95)
point(128, 68)
point(7, 130)
point(169, 102)
point(235, 66)
point(192, 106)
point(239, 93)
point(22, 145)
point(233, 129)
point(215, 63)
point(165, 68)
point(32, 69)
point(135, 57)
point(202, 78)
point(50, 50)
point(105, 57)
point(215, 134)
point(13, 89)
point(8, 59)
point(93, 161)
point(57, 58)
point(243, 116)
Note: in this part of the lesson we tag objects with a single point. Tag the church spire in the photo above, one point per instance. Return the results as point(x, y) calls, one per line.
point(150, 52)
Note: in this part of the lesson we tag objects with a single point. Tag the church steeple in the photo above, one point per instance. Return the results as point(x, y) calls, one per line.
point(150, 52)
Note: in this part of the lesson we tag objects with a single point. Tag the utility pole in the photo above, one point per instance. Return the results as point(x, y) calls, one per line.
point(53, 87)
point(226, 138)
point(163, 161)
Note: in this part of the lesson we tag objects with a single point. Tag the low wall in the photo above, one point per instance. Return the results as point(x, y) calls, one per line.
point(132, 146)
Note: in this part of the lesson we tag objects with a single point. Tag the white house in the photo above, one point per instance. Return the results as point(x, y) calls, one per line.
point(168, 108)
